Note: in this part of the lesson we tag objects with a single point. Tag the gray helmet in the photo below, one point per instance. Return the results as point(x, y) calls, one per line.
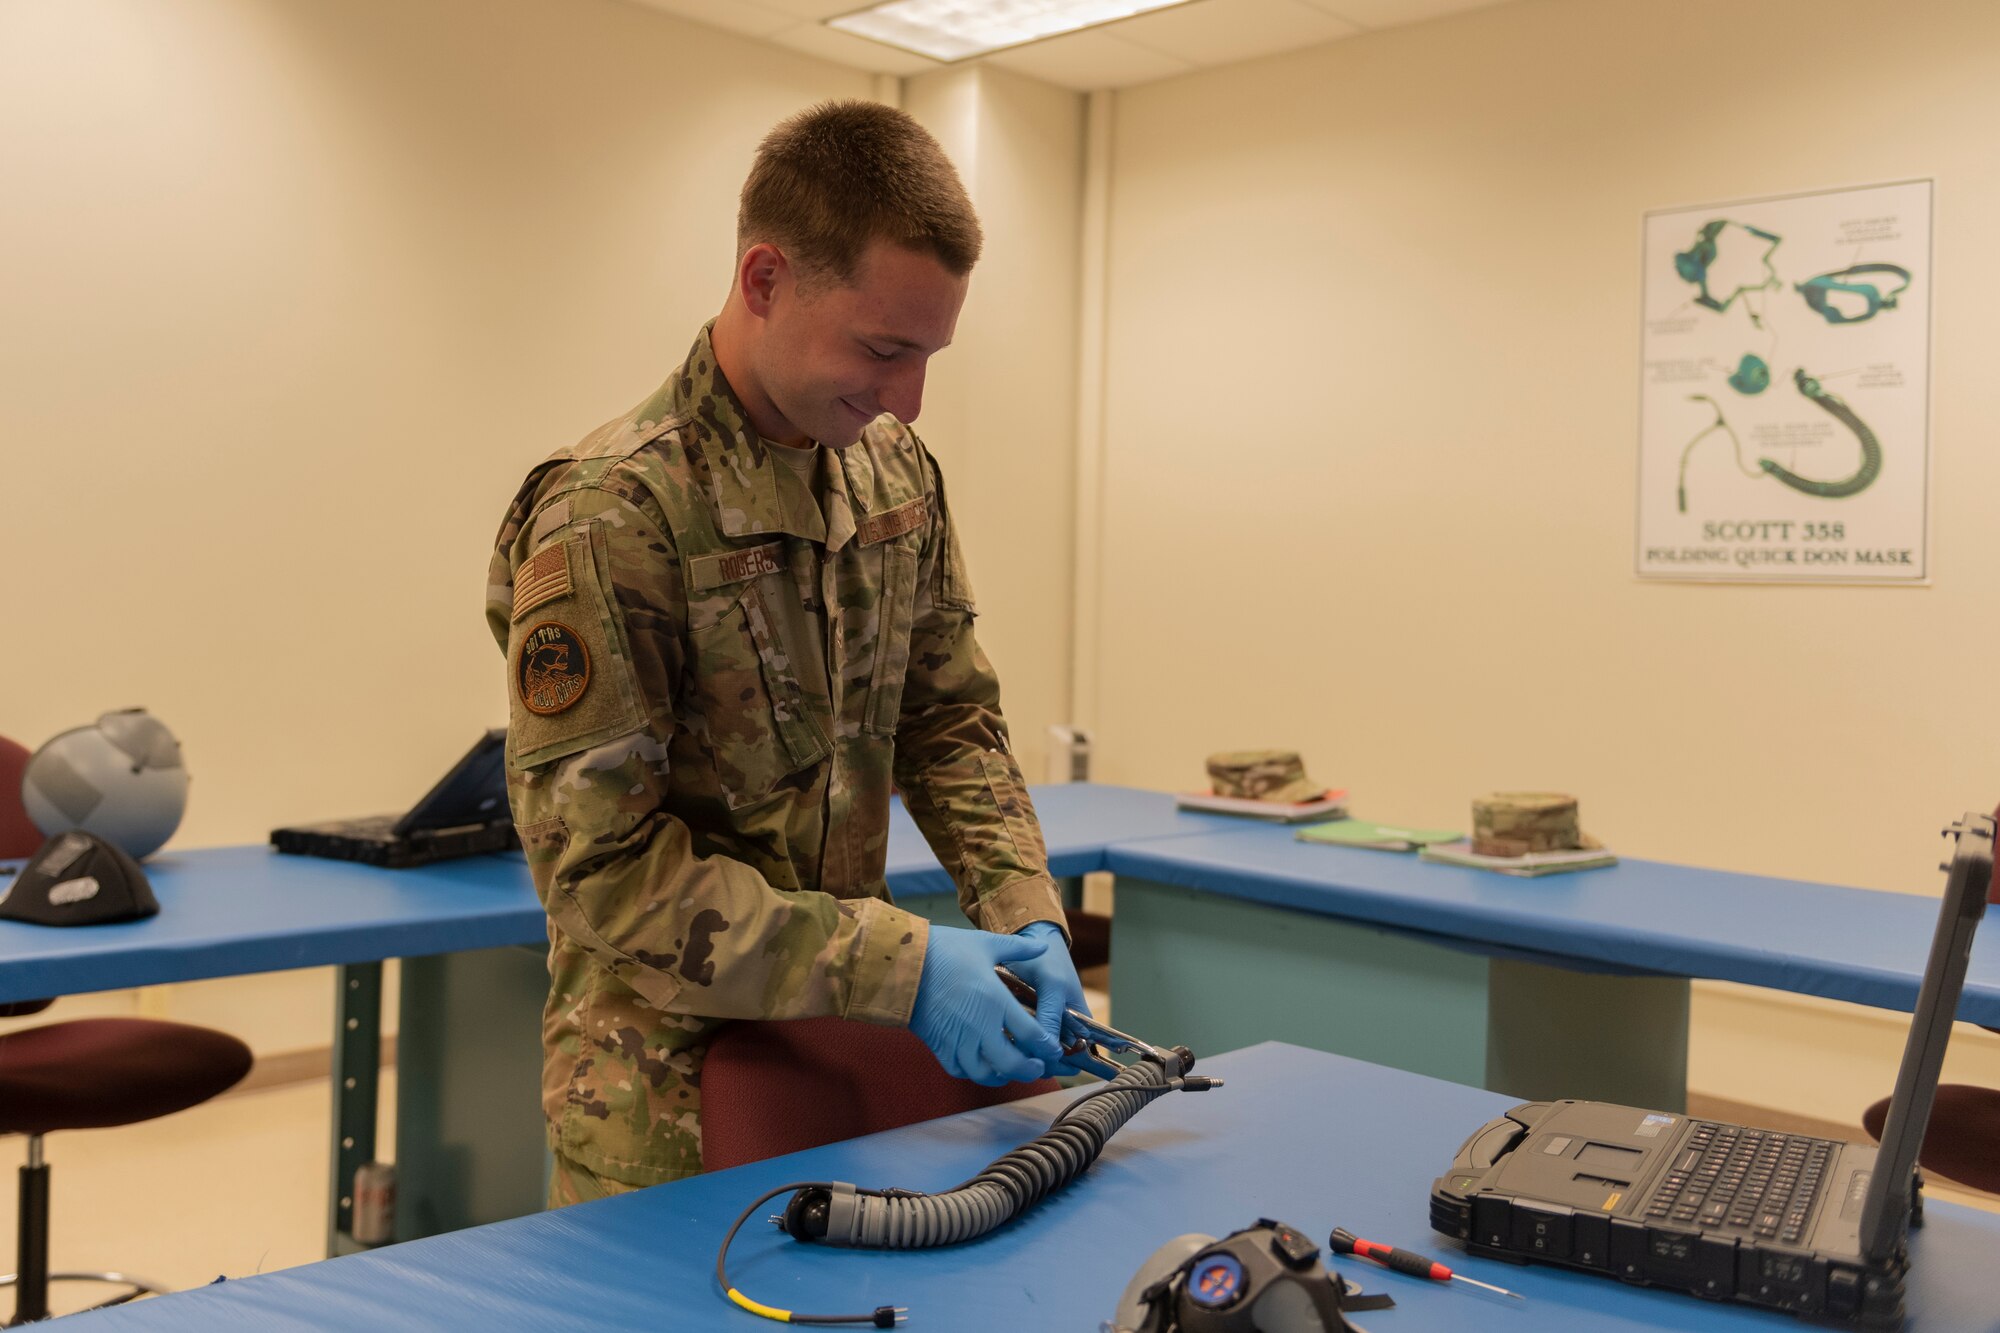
point(120, 778)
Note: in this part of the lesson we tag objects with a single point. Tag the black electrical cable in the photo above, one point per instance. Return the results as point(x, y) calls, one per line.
point(883, 1316)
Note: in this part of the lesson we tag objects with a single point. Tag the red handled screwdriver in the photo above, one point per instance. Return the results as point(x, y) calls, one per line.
point(1343, 1241)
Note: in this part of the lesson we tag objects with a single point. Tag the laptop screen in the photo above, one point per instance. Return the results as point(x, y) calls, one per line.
point(473, 792)
point(1885, 1213)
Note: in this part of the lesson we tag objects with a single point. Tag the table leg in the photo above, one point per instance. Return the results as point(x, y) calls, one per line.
point(1216, 973)
point(1552, 1032)
point(470, 1142)
point(1213, 974)
point(356, 1067)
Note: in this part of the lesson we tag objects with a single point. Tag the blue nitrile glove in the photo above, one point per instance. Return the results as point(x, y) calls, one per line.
point(965, 1014)
point(1053, 975)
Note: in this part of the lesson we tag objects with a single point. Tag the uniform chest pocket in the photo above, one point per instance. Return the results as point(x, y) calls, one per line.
point(894, 607)
point(759, 727)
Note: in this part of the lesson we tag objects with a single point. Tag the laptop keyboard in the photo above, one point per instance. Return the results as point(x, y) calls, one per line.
point(1753, 1182)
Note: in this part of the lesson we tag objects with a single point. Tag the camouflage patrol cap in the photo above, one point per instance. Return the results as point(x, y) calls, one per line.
point(1515, 823)
point(1262, 775)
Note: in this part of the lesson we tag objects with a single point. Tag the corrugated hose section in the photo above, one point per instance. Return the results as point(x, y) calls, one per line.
point(1010, 1186)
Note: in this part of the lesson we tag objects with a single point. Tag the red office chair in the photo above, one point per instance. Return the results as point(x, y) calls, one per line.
point(19, 838)
point(1089, 938)
point(1962, 1141)
point(89, 1073)
point(773, 1088)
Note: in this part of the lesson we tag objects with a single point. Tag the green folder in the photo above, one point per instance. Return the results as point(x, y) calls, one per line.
point(1379, 837)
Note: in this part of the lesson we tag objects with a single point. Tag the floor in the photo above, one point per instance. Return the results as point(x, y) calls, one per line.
point(234, 1187)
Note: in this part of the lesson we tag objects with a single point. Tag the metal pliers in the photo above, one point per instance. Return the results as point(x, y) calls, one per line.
point(1092, 1052)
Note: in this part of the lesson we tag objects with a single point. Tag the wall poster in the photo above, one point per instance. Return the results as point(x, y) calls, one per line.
point(1784, 403)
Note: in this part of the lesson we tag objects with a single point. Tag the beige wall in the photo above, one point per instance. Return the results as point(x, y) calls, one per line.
point(1372, 421)
point(1000, 406)
point(295, 294)
point(296, 291)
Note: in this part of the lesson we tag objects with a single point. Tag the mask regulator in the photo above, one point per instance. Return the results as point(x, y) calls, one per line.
point(1266, 1278)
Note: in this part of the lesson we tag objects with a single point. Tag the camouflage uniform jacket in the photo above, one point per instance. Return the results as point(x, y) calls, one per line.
point(713, 678)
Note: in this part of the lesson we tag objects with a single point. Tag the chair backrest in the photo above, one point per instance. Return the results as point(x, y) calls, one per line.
point(1993, 893)
point(769, 1088)
point(19, 838)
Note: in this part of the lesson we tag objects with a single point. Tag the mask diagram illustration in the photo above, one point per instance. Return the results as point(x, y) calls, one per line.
point(1704, 263)
point(1839, 298)
point(1784, 406)
point(1752, 375)
point(1757, 378)
point(1871, 450)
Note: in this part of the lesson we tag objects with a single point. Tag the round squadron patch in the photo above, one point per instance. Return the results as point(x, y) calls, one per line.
point(552, 669)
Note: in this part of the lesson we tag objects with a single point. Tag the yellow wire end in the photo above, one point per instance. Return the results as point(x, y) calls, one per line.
point(768, 1311)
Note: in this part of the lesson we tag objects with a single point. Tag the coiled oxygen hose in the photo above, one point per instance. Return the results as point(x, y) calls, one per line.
point(843, 1215)
point(1834, 405)
point(838, 1213)
point(1871, 449)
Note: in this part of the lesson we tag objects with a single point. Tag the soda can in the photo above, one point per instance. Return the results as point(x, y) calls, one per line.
point(374, 1203)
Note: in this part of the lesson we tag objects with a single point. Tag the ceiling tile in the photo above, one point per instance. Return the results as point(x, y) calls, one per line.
point(816, 9)
point(1213, 32)
point(1087, 60)
point(842, 48)
point(754, 20)
point(1391, 13)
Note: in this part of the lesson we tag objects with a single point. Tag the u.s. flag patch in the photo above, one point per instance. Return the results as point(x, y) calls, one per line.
point(543, 577)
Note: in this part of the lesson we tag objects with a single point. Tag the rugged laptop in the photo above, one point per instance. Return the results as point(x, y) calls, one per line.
point(1813, 1226)
point(463, 815)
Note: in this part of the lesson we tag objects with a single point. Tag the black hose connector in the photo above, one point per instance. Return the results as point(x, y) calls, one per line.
point(900, 1220)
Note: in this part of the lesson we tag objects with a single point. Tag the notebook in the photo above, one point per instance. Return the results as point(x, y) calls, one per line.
point(1378, 837)
point(1330, 805)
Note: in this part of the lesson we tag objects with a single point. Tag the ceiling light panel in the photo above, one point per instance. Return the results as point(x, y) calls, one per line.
point(961, 29)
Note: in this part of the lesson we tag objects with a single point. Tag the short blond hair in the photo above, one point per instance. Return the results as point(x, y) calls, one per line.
point(834, 178)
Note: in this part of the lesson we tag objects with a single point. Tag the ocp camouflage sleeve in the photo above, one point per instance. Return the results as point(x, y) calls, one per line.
point(953, 764)
point(587, 598)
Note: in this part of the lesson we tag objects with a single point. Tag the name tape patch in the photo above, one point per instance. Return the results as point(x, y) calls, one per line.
point(713, 571)
point(552, 668)
point(543, 577)
point(892, 522)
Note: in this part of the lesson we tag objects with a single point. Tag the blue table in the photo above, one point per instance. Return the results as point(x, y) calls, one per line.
point(1226, 933)
point(473, 937)
point(228, 911)
point(1080, 821)
point(1570, 985)
point(469, 1131)
point(1309, 1138)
